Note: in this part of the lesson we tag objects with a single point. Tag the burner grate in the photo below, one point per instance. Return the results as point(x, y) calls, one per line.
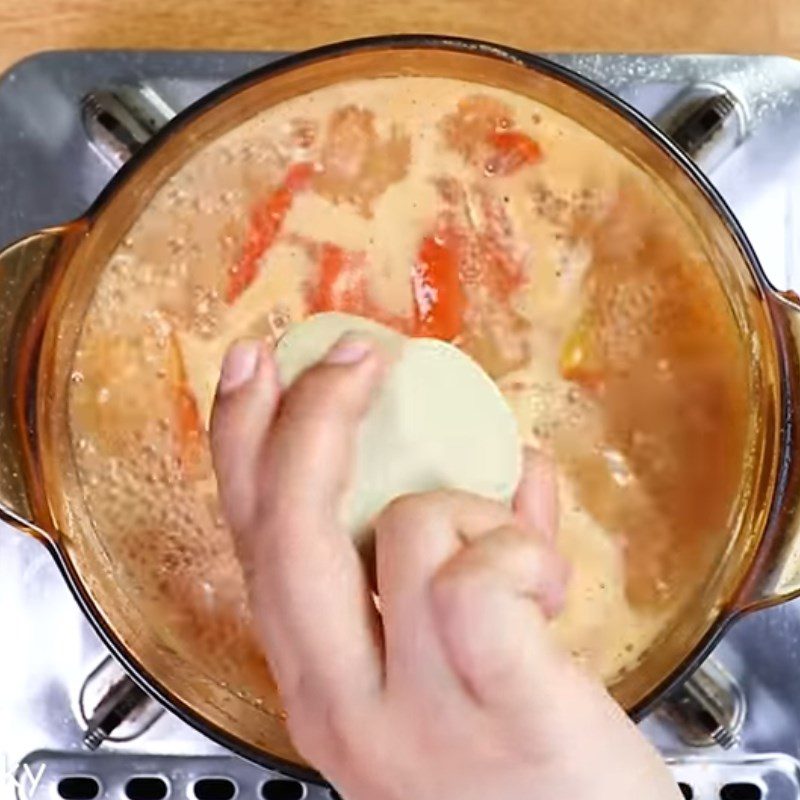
point(762, 777)
point(128, 776)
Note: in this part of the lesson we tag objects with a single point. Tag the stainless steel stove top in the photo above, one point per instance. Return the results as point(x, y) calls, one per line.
point(742, 712)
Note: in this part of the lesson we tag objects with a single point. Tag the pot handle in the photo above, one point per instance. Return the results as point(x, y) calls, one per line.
point(775, 575)
point(27, 271)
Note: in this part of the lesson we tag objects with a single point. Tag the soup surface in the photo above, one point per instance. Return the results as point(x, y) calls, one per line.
point(440, 208)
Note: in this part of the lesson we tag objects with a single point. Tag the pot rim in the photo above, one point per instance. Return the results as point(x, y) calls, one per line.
point(390, 42)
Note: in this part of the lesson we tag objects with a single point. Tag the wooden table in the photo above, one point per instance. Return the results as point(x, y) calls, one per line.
point(29, 26)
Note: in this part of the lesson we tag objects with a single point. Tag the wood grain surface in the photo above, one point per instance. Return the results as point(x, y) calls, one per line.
point(30, 26)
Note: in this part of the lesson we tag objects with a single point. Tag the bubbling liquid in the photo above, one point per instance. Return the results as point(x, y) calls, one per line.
point(441, 208)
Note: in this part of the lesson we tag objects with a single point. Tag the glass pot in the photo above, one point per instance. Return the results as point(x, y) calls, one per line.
point(47, 281)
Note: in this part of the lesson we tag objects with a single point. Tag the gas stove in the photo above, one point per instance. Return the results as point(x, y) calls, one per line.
point(73, 727)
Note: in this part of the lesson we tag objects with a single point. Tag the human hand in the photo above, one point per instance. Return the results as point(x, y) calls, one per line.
point(456, 689)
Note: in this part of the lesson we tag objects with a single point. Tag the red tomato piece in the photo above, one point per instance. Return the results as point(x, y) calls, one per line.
point(188, 425)
point(266, 220)
point(341, 282)
point(512, 150)
point(439, 300)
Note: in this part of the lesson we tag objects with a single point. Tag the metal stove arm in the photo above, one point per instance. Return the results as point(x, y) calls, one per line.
point(26, 269)
point(707, 121)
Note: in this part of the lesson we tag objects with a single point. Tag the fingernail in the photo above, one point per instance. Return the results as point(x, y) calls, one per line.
point(239, 365)
point(349, 350)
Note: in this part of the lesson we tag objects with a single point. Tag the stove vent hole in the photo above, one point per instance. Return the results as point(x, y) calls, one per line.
point(78, 787)
point(686, 791)
point(146, 787)
point(214, 789)
point(283, 789)
point(741, 791)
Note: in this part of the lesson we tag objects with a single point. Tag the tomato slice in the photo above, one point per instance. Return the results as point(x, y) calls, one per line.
point(188, 424)
point(266, 220)
point(341, 282)
point(439, 300)
point(513, 150)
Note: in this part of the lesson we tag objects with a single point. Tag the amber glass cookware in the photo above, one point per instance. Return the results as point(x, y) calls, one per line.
point(47, 281)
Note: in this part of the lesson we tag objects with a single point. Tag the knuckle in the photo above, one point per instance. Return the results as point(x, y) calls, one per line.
point(457, 586)
point(239, 514)
point(267, 535)
point(409, 509)
point(276, 541)
point(400, 512)
point(271, 512)
point(459, 606)
point(239, 520)
point(488, 667)
point(511, 540)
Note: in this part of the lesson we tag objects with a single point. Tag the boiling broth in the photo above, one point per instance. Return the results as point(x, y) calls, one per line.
point(441, 208)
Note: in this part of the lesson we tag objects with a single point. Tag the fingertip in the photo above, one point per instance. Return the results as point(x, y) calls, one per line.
point(552, 594)
point(239, 365)
point(247, 362)
point(341, 385)
point(351, 348)
point(248, 376)
point(536, 500)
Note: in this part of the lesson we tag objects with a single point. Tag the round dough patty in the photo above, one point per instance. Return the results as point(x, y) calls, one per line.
point(438, 421)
